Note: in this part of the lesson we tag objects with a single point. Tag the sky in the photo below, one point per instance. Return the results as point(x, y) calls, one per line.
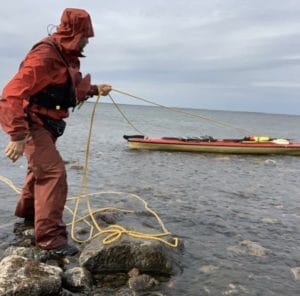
point(238, 55)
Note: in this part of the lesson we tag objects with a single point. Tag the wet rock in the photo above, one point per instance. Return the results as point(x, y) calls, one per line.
point(26, 277)
point(270, 162)
point(82, 230)
point(296, 273)
point(278, 206)
point(269, 221)
point(233, 289)
point(20, 227)
point(209, 269)
point(107, 291)
point(140, 282)
point(29, 232)
point(3, 247)
point(76, 166)
point(247, 247)
point(65, 292)
point(109, 217)
point(78, 279)
point(254, 248)
point(148, 256)
point(28, 252)
point(113, 280)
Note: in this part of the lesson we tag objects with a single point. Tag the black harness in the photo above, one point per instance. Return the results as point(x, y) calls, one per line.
point(60, 96)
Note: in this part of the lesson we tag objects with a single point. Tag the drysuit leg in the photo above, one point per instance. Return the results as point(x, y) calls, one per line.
point(25, 206)
point(49, 188)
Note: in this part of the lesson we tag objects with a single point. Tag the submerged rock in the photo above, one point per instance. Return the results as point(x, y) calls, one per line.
point(269, 221)
point(234, 289)
point(247, 247)
point(26, 277)
point(296, 273)
point(208, 269)
point(254, 248)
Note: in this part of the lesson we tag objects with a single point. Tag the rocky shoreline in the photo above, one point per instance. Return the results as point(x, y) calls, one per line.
point(127, 266)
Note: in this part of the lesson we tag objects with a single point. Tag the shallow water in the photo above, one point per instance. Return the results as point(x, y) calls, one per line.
point(212, 202)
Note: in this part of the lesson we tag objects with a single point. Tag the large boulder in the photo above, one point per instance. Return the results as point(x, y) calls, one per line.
point(26, 277)
point(149, 256)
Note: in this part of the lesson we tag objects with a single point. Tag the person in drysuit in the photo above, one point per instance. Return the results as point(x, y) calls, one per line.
point(32, 108)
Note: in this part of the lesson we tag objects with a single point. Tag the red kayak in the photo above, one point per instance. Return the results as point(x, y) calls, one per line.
point(207, 144)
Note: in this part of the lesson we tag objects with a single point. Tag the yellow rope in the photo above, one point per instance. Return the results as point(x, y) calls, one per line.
point(218, 122)
point(124, 116)
point(10, 184)
point(113, 232)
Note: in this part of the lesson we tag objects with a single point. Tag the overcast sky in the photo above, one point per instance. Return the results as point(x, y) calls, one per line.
point(241, 55)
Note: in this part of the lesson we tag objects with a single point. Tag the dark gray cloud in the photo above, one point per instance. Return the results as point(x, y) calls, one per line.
point(227, 54)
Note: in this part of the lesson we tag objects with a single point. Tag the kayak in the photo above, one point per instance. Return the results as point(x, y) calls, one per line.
point(207, 144)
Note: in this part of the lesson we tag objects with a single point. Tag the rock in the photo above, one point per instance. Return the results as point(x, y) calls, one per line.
point(254, 248)
point(82, 230)
point(26, 277)
point(140, 282)
point(296, 273)
point(29, 232)
point(234, 289)
point(113, 280)
point(270, 162)
point(148, 256)
point(107, 291)
point(247, 247)
point(109, 217)
point(269, 221)
point(77, 279)
point(77, 167)
point(209, 269)
point(28, 252)
point(65, 292)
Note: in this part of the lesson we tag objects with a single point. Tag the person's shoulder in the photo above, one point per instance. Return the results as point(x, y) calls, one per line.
point(42, 54)
point(43, 47)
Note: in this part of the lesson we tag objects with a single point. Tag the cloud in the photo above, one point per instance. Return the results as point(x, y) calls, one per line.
point(225, 52)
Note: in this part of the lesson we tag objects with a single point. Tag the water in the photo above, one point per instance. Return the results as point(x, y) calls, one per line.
point(212, 202)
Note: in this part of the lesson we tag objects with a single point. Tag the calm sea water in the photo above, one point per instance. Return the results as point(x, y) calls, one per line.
point(212, 202)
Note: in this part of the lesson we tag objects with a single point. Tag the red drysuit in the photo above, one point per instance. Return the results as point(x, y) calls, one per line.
point(52, 62)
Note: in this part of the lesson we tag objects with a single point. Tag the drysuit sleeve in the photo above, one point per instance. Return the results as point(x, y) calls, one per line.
point(40, 68)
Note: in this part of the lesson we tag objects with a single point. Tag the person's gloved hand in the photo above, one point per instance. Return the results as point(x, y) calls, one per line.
point(104, 89)
point(94, 90)
point(15, 149)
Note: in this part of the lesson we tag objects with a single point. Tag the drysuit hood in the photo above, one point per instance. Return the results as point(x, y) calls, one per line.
point(75, 24)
